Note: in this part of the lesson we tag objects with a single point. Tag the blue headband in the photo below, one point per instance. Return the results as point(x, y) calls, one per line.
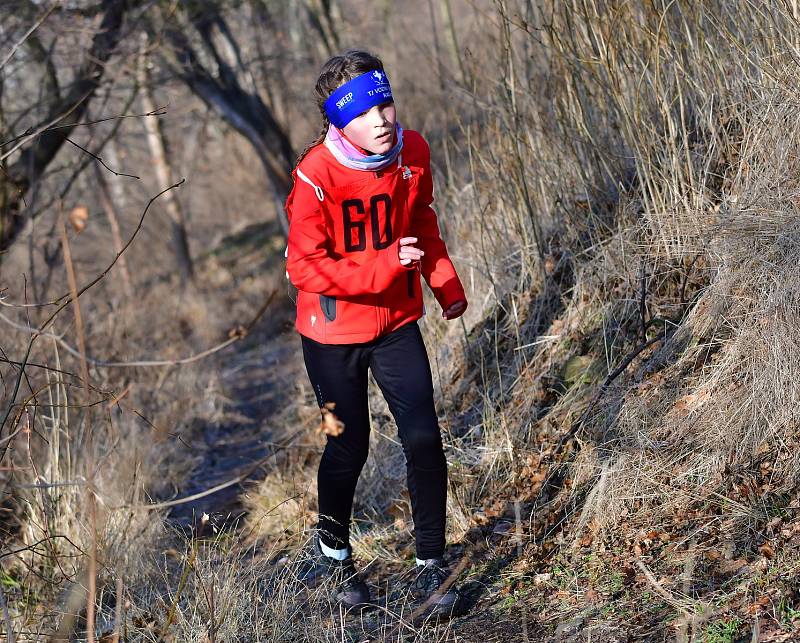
point(356, 96)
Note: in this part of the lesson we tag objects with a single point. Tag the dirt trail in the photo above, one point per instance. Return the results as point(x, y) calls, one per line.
point(253, 375)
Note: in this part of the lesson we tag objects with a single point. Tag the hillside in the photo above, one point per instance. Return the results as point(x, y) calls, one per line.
point(619, 187)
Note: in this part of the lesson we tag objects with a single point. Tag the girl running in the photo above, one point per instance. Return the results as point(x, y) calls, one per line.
point(361, 232)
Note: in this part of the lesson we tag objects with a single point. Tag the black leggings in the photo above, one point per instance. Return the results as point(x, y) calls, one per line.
point(399, 363)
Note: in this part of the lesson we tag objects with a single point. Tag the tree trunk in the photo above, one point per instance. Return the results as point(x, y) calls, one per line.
point(224, 93)
point(324, 15)
point(40, 149)
point(157, 143)
point(452, 39)
point(111, 212)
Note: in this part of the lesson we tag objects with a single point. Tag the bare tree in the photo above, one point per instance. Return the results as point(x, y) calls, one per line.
point(40, 144)
point(213, 68)
point(324, 16)
point(110, 207)
point(159, 151)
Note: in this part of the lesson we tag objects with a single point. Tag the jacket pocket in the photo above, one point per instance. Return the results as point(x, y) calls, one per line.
point(410, 279)
point(328, 305)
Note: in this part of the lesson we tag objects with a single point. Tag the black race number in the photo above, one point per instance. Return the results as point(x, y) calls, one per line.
point(355, 237)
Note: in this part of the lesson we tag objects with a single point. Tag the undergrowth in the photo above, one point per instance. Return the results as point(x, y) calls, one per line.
point(618, 404)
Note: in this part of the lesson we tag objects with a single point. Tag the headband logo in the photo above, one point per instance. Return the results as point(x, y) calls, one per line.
point(357, 96)
point(344, 100)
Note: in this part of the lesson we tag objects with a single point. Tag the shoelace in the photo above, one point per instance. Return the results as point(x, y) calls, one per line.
point(431, 577)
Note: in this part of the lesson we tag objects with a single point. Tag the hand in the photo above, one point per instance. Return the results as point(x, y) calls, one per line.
point(409, 253)
point(456, 309)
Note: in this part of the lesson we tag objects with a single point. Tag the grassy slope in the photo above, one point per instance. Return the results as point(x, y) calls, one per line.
point(619, 404)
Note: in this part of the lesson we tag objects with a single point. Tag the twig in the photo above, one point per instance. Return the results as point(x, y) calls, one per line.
point(76, 172)
point(181, 585)
point(681, 606)
point(97, 158)
point(240, 333)
point(88, 447)
point(554, 467)
point(27, 35)
point(60, 300)
point(643, 303)
point(118, 611)
point(32, 546)
point(35, 132)
point(202, 494)
point(63, 305)
point(45, 367)
point(208, 492)
point(7, 617)
point(160, 111)
point(53, 485)
point(604, 387)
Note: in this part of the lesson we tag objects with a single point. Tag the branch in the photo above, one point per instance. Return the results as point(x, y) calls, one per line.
point(202, 494)
point(237, 334)
point(28, 33)
point(32, 132)
point(245, 111)
point(100, 160)
point(34, 159)
point(66, 303)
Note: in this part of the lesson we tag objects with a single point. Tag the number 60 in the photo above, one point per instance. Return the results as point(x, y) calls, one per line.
point(356, 206)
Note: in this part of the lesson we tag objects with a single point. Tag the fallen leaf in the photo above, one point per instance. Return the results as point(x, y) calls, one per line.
point(758, 605)
point(732, 566)
point(330, 425)
point(78, 217)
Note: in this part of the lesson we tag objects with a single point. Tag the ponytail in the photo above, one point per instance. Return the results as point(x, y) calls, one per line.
point(315, 142)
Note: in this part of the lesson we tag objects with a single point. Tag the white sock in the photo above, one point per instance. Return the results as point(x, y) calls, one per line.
point(337, 554)
point(421, 562)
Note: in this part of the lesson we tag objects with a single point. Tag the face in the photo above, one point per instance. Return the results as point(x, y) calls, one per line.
point(374, 129)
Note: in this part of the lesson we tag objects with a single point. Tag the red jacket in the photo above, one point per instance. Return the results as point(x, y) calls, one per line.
point(344, 229)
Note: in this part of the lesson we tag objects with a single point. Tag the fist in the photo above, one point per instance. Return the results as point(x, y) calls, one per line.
point(408, 252)
point(455, 309)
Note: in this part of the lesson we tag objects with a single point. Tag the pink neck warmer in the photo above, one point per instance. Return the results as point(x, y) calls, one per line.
point(351, 156)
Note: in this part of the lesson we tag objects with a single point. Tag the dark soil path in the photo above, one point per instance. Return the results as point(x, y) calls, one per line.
point(254, 374)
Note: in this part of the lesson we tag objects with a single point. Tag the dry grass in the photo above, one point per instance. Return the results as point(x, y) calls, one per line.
point(621, 195)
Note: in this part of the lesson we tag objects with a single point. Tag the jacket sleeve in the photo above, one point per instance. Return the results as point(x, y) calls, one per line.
point(436, 266)
point(310, 266)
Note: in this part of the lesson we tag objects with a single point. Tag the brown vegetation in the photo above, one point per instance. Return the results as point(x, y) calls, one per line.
point(618, 185)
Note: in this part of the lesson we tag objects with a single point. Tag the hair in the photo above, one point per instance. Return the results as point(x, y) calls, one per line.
point(335, 73)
